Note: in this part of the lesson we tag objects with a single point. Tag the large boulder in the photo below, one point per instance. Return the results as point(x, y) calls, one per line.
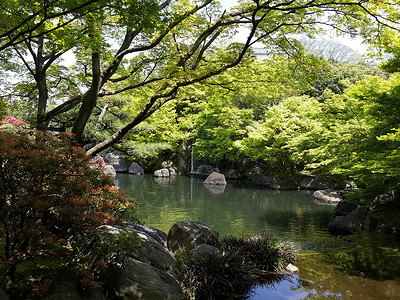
point(385, 210)
point(69, 290)
point(134, 168)
point(158, 235)
point(329, 196)
point(151, 252)
point(188, 235)
point(352, 222)
point(345, 207)
point(119, 163)
point(215, 178)
point(137, 280)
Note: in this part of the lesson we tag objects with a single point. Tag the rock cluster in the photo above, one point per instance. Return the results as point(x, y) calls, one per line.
point(293, 182)
point(144, 273)
point(352, 216)
point(166, 172)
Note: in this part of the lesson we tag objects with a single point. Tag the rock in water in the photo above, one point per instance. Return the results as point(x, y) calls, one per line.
point(134, 168)
point(328, 196)
point(161, 173)
point(215, 178)
point(188, 235)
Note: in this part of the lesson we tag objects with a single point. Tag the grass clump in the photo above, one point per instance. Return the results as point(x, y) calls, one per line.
point(235, 270)
point(261, 252)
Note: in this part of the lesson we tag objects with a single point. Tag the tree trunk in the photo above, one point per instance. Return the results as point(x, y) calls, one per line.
point(89, 99)
point(41, 123)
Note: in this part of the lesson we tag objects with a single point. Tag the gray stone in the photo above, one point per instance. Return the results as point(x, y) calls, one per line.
point(151, 252)
point(215, 178)
point(353, 222)
point(137, 280)
point(205, 250)
point(161, 173)
point(386, 208)
point(158, 235)
point(134, 168)
point(266, 181)
point(329, 196)
point(393, 197)
point(287, 184)
point(274, 183)
point(70, 291)
point(205, 169)
point(109, 170)
point(309, 182)
point(119, 163)
point(188, 235)
point(345, 207)
point(172, 171)
point(292, 268)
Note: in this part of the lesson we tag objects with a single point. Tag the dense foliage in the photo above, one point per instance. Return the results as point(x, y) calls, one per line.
point(240, 265)
point(52, 202)
point(71, 58)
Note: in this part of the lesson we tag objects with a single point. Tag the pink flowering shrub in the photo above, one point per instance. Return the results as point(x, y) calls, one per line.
point(9, 120)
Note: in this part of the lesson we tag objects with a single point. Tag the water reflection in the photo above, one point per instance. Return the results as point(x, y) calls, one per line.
point(215, 189)
point(336, 268)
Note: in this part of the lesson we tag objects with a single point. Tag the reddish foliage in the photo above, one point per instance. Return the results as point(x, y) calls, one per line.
point(50, 197)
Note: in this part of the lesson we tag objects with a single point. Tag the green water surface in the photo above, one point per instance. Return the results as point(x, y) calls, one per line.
point(330, 267)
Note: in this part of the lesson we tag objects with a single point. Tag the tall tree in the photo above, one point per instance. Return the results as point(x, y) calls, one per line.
point(123, 45)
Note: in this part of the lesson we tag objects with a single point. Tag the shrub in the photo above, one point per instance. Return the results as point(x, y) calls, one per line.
point(52, 203)
point(212, 276)
point(262, 252)
point(234, 271)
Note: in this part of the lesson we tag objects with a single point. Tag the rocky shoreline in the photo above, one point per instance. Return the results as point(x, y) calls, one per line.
point(145, 273)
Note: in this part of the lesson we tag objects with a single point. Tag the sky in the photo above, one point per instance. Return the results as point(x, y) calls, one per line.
point(354, 43)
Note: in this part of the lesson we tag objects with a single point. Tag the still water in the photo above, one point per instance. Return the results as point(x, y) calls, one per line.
point(330, 267)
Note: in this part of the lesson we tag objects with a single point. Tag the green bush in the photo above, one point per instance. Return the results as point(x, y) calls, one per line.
point(262, 252)
point(239, 266)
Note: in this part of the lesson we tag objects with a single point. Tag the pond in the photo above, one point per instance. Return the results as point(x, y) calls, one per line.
point(330, 267)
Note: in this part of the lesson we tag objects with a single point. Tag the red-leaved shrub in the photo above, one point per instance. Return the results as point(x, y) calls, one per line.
point(52, 202)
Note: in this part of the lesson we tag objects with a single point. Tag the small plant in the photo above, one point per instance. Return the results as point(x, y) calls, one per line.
point(235, 270)
point(212, 276)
